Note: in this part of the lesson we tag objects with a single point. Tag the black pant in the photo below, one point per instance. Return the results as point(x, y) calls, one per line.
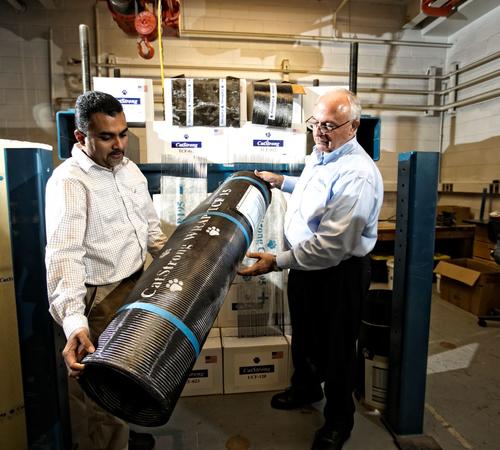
point(325, 312)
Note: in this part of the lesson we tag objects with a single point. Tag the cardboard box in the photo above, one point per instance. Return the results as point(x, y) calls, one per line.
point(255, 364)
point(260, 143)
point(206, 376)
point(207, 102)
point(483, 250)
point(255, 304)
point(12, 422)
point(255, 307)
point(483, 246)
point(470, 284)
point(173, 144)
point(135, 95)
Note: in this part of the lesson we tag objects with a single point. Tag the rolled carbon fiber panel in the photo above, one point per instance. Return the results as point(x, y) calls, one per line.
point(147, 351)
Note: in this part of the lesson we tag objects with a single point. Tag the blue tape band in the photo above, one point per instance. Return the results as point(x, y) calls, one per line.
point(225, 216)
point(261, 186)
point(174, 320)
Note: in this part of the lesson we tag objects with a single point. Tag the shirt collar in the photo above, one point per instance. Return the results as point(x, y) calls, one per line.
point(87, 163)
point(322, 158)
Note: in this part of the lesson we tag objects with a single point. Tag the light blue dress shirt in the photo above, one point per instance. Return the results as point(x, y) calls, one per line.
point(333, 211)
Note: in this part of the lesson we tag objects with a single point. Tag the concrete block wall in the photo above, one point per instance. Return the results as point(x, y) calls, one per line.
point(255, 60)
point(24, 39)
point(471, 138)
point(25, 73)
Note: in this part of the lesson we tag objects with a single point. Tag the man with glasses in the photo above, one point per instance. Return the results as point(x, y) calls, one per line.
point(100, 224)
point(330, 227)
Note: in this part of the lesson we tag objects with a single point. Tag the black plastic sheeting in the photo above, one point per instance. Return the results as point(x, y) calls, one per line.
point(146, 353)
point(272, 104)
point(206, 106)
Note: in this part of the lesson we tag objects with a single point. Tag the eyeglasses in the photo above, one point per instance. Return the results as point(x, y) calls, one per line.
point(324, 127)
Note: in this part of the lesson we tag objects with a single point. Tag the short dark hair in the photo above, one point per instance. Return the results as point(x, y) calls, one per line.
point(93, 102)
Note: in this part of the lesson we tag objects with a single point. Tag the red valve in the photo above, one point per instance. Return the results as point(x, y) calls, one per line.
point(145, 23)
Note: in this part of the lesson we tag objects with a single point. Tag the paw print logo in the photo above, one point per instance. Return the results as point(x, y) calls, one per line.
point(268, 134)
point(175, 285)
point(213, 231)
point(271, 244)
point(186, 136)
point(256, 360)
point(124, 92)
point(165, 252)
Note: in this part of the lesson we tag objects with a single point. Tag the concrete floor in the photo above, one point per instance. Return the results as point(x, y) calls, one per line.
point(462, 408)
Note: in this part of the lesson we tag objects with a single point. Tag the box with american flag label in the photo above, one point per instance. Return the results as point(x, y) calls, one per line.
point(206, 376)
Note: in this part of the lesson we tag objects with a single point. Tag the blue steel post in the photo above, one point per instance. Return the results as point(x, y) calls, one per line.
point(41, 341)
point(412, 290)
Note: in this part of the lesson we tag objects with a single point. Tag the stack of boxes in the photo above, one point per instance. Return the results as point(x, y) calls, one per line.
point(135, 95)
point(206, 122)
point(256, 354)
point(206, 378)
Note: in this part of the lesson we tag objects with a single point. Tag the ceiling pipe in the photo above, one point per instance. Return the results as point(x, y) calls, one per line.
point(494, 93)
point(273, 37)
point(457, 87)
point(469, 83)
point(403, 76)
point(270, 37)
point(85, 57)
point(470, 66)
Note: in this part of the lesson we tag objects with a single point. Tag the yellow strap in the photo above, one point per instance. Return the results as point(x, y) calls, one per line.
point(160, 47)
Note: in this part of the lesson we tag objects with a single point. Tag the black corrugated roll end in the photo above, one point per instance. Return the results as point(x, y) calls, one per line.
point(145, 354)
point(141, 405)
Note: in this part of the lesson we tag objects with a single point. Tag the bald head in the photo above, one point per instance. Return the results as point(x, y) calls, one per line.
point(341, 101)
point(341, 110)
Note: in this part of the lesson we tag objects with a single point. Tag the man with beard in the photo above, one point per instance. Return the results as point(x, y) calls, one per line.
point(330, 227)
point(100, 225)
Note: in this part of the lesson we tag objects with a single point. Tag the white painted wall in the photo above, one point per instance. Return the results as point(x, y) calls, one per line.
point(25, 88)
point(258, 60)
point(471, 140)
point(25, 110)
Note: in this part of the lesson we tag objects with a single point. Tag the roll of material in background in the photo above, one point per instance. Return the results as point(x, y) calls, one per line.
point(272, 104)
point(209, 102)
point(144, 356)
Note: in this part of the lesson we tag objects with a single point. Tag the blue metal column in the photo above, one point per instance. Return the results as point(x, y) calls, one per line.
point(412, 291)
point(41, 341)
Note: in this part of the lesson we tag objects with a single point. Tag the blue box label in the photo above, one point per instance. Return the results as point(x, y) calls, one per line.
point(129, 100)
point(186, 144)
point(268, 143)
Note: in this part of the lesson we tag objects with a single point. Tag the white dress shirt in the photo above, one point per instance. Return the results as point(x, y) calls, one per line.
point(100, 224)
point(333, 211)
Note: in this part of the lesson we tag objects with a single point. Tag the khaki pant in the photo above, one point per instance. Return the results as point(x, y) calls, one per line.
point(92, 427)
